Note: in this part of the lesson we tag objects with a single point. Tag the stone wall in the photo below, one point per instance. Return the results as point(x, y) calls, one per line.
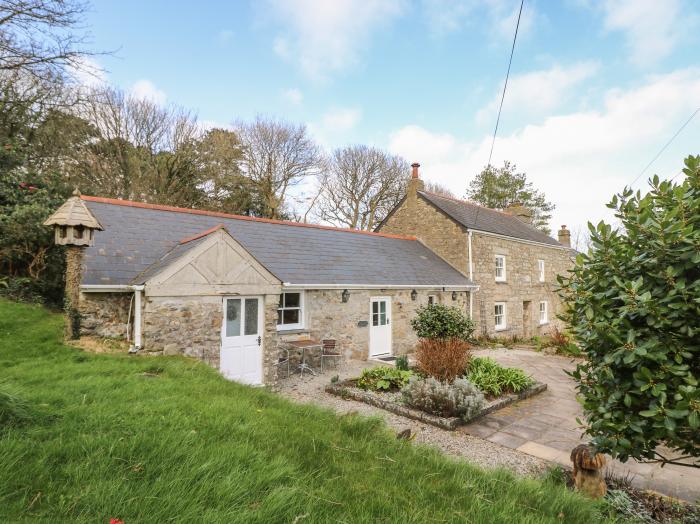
point(440, 233)
point(327, 316)
point(104, 314)
point(522, 285)
point(417, 217)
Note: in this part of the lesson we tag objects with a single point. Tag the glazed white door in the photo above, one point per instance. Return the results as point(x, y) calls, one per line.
point(380, 326)
point(241, 340)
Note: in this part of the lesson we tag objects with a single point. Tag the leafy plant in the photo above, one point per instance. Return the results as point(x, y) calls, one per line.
point(458, 399)
point(402, 362)
point(442, 358)
point(440, 321)
point(383, 378)
point(493, 379)
point(633, 303)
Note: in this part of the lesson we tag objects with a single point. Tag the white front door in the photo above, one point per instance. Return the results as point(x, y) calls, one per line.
point(241, 340)
point(380, 326)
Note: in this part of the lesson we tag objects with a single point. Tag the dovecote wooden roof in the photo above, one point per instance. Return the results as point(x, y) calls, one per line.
point(73, 212)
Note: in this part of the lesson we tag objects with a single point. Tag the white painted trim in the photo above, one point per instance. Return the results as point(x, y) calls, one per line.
point(504, 277)
point(106, 288)
point(137, 317)
point(514, 239)
point(541, 270)
point(302, 313)
point(546, 312)
point(504, 326)
point(390, 323)
point(288, 285)
point(471, 275)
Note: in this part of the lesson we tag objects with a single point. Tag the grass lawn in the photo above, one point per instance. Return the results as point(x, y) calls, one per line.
point(98, 438)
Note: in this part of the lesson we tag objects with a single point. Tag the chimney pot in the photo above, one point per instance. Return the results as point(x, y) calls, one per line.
point(414, 170)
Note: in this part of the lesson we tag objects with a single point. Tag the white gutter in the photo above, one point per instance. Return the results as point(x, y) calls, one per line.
point(137, 317)
point(106, 288)
point(471, 274)
point(514, 239)
point(464, 287)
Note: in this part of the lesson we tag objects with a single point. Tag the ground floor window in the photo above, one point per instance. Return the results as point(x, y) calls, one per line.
point(290, 314)
point(432, 299)
point(543, 313)
point(499, 315)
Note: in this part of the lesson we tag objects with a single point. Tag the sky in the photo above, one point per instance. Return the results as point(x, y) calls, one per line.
point(596, 88)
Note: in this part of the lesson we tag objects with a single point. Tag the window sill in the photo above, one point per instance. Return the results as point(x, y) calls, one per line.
point(504, 328)
point(501, 281)
point(544, 323)
point(291, 330)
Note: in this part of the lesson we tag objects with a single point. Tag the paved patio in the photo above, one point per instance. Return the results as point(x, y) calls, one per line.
point(545, 426)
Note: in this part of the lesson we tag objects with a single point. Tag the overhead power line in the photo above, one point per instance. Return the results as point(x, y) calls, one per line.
point(665, 146)
point(505, 84)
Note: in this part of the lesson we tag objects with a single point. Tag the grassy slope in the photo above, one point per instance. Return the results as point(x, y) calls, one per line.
point(189, 446)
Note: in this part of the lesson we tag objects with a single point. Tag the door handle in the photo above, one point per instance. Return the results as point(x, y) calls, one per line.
point(259, 340)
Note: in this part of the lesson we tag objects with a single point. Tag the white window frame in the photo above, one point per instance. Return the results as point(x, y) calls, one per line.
point(504, 324)
point(300, 324)
point(540, 269)
point(501, 278)
point(435, 299)
point(545, 311)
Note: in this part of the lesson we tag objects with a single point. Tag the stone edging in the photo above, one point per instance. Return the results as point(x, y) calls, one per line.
point(347, 391)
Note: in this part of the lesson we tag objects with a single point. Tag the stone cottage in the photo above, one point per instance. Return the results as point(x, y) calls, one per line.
point(514, 264)
point(229, 289)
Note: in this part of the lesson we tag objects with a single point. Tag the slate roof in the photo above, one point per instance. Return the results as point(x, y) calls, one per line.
point(480, 218)
point(137, 236)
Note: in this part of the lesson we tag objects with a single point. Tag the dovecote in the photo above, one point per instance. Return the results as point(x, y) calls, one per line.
point(73, 223)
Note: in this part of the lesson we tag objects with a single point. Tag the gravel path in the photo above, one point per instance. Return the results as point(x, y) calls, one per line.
point(475, 450)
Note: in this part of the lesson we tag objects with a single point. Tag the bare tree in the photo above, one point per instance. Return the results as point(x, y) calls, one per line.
point(142, 151)
point(361, 186)
point(438, 189)
point(276, 156)
point(41, 38)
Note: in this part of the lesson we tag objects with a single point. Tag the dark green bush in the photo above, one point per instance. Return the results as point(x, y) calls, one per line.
point(402, 363)
point(633, 304)
point(494, 380)
point(383, 378)
point(440, 321)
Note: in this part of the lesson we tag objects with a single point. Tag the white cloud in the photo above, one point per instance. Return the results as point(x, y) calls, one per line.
point(224, 36)
point(579, 159)
point(334, 126)
point(341, 118)
point(494, 17)
point(324, 38)
point(294, 96)
point(207, 125)
point(652, 28)
point(538, 92)
point(146, 90)
point(88, 72)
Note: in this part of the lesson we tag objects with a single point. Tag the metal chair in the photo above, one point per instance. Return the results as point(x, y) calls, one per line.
point(328, 350)
point(283, 358)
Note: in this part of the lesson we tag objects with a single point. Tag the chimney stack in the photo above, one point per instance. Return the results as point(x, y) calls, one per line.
point(415, 184)
point(520, 212)
point(564, 236)
point(414, 170)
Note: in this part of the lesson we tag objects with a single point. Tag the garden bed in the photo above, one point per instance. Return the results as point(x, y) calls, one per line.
point(392, 402)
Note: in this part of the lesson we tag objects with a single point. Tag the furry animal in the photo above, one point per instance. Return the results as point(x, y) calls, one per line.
point(588, 477)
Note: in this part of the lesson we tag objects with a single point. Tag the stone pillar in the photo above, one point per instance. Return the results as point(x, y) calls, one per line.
point(74, 263)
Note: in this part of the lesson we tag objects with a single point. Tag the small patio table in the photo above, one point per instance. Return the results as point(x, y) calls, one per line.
point(304, 345)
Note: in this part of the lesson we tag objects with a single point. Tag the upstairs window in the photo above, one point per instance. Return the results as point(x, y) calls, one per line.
point(499, 315)
point(500, 268)
point(544, 318)
point(290, 311)
point(540, 269)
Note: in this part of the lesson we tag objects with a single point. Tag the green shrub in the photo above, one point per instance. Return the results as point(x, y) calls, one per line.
point(383, 378)
point(633, 304)
point(494, 380)
point(440, 321)
point(458, 399)
point(402, 363)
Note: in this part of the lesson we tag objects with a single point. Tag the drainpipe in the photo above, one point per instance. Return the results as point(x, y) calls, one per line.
point(137, 319)
point(471, 275)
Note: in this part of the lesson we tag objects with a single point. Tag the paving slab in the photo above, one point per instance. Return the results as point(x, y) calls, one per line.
point(545, 426)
